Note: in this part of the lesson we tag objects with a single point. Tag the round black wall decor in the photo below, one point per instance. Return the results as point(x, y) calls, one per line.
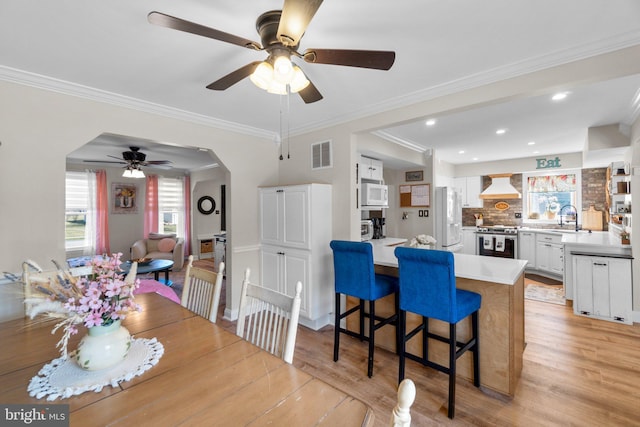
point(206, 205)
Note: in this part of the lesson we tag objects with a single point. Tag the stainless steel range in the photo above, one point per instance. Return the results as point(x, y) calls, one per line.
point(497, 241)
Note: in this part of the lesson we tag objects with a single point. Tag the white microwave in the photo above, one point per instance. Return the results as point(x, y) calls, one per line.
point(374, 195)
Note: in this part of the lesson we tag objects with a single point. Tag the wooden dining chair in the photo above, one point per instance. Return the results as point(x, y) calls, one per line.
point(201, 291)
point(401, 417)
point(268, 318)
point(33, 276)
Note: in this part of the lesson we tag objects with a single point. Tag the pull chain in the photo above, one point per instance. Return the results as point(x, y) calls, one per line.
point(281, 128)
point(288, 121)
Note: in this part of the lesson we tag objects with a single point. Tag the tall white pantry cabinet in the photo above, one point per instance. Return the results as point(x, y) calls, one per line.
point(295, 232)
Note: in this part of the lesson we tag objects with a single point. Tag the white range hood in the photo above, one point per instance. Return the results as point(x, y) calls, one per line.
point(501, 188)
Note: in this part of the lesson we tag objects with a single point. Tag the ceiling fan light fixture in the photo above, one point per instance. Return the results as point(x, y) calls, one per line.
point(299, 81)
point(137, 173)
point(262, 76)
point(128, 173)
point(268, 78)
point(283, 70)
point(277, 88)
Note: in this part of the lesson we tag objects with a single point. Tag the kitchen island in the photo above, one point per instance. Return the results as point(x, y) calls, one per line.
point(500, 281)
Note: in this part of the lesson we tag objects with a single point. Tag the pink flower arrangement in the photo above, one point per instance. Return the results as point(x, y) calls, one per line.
point(106, 296)
point(98, 299)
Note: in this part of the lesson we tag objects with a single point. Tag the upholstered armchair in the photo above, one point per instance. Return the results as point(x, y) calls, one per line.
point(160, 246)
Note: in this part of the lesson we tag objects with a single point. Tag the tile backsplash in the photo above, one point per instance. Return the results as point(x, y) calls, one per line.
point(593, 193)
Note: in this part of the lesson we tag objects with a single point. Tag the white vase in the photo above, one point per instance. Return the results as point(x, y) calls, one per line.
point(103, 347)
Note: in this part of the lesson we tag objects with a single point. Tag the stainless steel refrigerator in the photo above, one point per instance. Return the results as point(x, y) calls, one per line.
point(448, 219)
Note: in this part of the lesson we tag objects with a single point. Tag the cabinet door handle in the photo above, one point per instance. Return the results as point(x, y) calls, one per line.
point(602, 264)
point(280, 253)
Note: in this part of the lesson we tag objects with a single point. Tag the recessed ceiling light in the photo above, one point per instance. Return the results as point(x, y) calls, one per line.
point(501, 131)
point(475, 158)
point(531, 143)
point(559, 96)
point(536, 152)
point(461, 152)
point(430, 122)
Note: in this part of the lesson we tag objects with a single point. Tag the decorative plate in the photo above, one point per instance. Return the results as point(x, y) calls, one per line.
point(502, 206)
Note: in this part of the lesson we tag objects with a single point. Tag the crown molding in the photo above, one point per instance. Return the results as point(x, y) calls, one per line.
point(515, 69)
point(26, 78)
point(512, 70)
point(400, 141)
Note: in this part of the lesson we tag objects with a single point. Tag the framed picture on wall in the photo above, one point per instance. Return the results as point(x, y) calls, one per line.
point(124, 198)
point(413, 176)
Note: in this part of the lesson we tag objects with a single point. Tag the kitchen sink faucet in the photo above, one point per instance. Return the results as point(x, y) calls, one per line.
point(575, 210)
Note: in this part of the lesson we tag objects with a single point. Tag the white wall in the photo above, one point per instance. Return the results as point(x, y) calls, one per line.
point(297, 170)
point(38, 128)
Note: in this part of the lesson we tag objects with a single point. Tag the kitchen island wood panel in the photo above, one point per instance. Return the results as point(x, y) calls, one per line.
point(501, 327)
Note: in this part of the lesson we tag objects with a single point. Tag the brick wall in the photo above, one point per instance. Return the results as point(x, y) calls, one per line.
point(593, 193)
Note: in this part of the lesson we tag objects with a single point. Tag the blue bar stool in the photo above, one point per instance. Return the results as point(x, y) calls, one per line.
point(355, 276)
point(428, 288)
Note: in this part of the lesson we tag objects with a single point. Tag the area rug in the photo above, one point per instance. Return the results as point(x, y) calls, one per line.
point(544, 293)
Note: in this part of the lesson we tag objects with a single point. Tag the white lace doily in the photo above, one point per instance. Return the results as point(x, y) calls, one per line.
point(63, 378)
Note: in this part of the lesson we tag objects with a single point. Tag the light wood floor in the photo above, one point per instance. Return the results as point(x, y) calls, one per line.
point(577, 371)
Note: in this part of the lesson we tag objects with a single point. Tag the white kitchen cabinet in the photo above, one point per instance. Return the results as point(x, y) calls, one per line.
point(470, 188)
point(285, 216)
point(527, 247)
point(282, 268)
point(603, 288)
point(295, 230)
point(556, 259)
point(370, 169)
point(549, 253)
point(469, 240)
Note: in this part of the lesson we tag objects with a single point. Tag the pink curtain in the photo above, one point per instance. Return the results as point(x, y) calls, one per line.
point(187, 216)
point(151, 206)
point(102, 213)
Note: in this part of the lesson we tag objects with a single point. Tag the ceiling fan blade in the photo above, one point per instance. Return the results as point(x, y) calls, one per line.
point(156, 165)
point(157, 162)
point(168, 21)
point(104, 161)
point(234, 77)
point(376, 59)
point(296, 15)
point(310, 94)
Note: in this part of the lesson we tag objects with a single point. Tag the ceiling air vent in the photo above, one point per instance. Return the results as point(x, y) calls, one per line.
point(321, 155)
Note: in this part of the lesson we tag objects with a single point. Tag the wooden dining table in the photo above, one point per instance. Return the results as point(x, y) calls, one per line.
point(207, 376)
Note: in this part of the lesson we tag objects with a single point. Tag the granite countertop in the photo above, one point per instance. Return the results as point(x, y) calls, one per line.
point(489, 269)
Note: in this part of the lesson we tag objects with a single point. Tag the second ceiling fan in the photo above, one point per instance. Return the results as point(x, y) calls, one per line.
point(280, 33)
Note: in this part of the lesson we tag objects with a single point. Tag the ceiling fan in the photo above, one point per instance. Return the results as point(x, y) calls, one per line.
point(133, 159)
point(280, 32)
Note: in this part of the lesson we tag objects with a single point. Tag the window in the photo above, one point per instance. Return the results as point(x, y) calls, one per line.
point(546, 194)
point(76, 207)
point(171, 206)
